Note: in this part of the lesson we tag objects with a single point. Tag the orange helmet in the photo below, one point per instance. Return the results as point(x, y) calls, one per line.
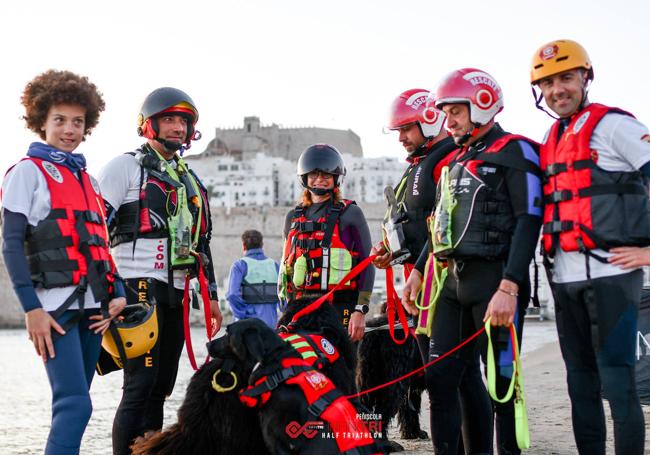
point(559, 56)
point(411, 107)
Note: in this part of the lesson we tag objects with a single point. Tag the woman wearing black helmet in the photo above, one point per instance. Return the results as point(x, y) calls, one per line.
point(325, 237)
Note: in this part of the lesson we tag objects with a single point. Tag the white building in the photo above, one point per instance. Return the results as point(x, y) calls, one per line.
point(272, 181)
point(256, 165)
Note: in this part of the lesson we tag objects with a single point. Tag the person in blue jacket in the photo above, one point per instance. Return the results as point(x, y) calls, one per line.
point(252, 288)
point(56, 248)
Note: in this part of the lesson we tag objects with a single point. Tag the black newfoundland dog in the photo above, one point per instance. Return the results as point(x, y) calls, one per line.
point(382, 360)
point(211, 419)
point(300, 409)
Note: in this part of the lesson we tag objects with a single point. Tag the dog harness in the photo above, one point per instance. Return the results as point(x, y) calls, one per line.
point(314, 349)
point(324, 402)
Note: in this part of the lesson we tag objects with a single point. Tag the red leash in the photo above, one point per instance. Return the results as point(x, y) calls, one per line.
point(416, 371)
point(205, 296)
point(317, 303)
point(393, 304)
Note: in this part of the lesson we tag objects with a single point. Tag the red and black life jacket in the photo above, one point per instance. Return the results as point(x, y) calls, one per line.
point(148, 216)
point(482, 221)
point(587, 207)
point(326, 257)
point(70, 246)
point(324, 401)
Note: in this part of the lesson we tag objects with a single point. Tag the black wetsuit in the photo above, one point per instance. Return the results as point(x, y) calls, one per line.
point(471, 283)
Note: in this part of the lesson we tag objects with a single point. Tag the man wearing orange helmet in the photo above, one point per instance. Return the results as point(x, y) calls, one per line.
point(488, 214)
point(594, 160)
point(160, 228)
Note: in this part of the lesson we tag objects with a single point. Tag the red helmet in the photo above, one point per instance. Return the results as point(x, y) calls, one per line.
point(411, 107)
point(474, 87)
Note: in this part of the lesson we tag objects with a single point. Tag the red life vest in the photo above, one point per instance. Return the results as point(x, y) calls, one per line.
point(587, 207)
point(322, 268)
point(72, 241)
point(324, 400)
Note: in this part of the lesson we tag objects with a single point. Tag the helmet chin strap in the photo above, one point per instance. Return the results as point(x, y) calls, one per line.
point(172, 146)
point(467, 136)
point(539, 97)
point(321, 191)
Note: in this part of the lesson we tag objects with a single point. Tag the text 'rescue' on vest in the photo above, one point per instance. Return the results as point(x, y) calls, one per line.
point(587, 207)
point(260, 283)
point(172, 204)
point(315, 258)
point(70, 246)
point(473, 219)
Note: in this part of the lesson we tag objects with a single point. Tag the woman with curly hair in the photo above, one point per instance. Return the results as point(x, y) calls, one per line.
point(56, 249)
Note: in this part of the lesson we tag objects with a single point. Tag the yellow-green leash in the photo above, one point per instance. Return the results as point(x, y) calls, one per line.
point(516, 386)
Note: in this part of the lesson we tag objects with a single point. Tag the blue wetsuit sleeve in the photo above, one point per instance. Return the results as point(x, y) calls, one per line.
point(14, 228)
point(646, 169)
point(237, 304)
point(118, 287)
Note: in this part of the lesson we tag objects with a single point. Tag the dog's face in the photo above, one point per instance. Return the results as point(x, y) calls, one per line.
point(249, 340)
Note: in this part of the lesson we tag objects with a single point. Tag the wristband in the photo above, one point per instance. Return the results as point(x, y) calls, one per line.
point(510, 293)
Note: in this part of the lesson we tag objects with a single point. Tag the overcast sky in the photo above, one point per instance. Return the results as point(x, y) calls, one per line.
point(332, 63)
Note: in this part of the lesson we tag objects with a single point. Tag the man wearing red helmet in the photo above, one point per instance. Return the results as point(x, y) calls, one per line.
point(159, 222)
point(596, 161)
point(429, 148)
point(419, 126)
point(487, 221)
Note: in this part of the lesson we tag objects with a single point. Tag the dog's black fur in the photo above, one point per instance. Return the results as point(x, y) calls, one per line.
point(260, 352)
point(380, 361)
point(208, 421)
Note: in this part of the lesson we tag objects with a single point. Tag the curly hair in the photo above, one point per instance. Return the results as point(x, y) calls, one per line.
point(60, 87)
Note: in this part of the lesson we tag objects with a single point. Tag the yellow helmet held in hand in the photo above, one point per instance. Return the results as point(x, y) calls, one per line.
point(559, 56)
point(138, 329)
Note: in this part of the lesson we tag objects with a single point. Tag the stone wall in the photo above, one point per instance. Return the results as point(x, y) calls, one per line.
point(226, 248)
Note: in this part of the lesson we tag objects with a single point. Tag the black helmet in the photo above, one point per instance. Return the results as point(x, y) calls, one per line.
point(167, 100)
point(321, 157)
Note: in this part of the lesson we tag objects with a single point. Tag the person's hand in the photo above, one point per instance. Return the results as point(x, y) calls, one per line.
point(629, 257)
point(115, 307)
point(357, 325)
point(503, 304)
point(39, 325)
point(217, 318)
point(410, 292)
point(382, 261)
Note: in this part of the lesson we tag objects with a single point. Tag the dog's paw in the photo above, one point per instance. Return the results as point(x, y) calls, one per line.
point(417, 434)
point(388, 446)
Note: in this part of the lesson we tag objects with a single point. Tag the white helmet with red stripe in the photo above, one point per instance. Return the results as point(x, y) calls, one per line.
point(474, 87)
point(411, 107)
